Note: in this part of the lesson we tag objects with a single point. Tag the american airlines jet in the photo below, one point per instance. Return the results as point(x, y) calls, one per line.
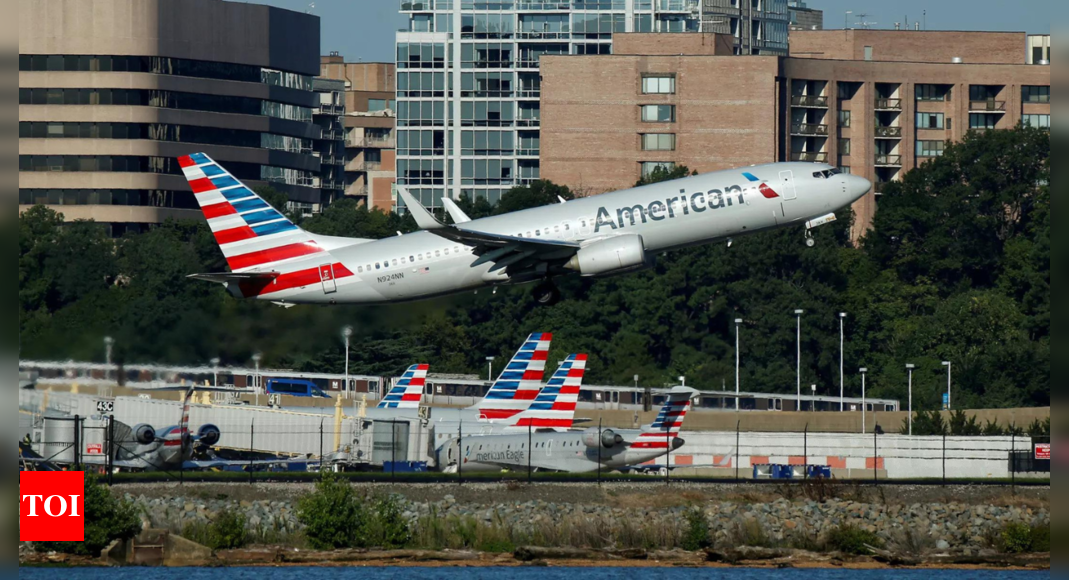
point(272, 259)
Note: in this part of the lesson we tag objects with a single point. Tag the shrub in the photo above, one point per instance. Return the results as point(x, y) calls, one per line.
point(696, 536)
point(333, 515)
point(227, 531)
point(106, 519)
point(387, 527)
point(853, 540)
point(1041, 539)
point(750, 533)
point(1024, 539)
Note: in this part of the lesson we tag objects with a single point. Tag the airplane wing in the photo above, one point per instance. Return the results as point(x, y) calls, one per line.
point(517, 254)
point(232, 278)
point(223, 463)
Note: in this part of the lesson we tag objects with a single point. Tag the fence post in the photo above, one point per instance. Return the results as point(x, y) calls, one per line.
point(600, 423)
point(77, 443)
point(876, 456)
point(738, 442)
point(460, 454)
point(944, 459)
point(530, 452)
point(1013, 463)
point(393, 450)
point(322, 461)
point(805, 460)
point(110, 463)
point(667, 458)
point(252, 439)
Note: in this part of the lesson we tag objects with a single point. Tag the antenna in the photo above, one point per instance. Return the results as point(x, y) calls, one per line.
point(311, 7)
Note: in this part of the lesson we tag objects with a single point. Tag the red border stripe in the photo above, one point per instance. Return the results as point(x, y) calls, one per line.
point(234, 235)
point(218, 210)
point(272, 255)
point(186, 161)
point(201, 185)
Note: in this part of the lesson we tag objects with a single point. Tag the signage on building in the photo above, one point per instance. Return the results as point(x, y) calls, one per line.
point(94, 449)
point(1042, 451)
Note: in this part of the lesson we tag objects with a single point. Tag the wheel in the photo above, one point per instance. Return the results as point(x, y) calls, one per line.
point(810, 242)
point(547, 294)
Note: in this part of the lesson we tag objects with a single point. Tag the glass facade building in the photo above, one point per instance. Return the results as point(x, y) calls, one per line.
point(469, 90)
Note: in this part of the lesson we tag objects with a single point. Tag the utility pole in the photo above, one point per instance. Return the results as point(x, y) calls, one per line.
point(910, 368)
point(842, 362)
point(347, 334)
point(950, 405)
point(799, 314)
point(738, 367)
point(864, 405)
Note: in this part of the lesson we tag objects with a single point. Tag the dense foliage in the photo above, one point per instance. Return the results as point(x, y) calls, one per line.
point(335, 516)
point(956, 267)
point(106, 519)
point(228, 530)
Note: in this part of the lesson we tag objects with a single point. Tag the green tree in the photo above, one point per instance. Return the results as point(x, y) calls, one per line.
point(106, 519)
point(333, 515)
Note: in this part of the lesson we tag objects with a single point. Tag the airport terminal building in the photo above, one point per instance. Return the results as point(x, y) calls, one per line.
point(875, 103)
point(112, 92)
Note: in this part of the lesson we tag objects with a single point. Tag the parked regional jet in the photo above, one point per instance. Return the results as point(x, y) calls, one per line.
point(272, 259)
point(573, 451)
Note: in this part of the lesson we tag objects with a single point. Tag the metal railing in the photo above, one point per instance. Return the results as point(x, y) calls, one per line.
point(528, 122)
point(535, 94)
point(990, 106)
point(889, 160)
point(809, 129)
point(533, 35)
point(808, 157)
point(527, 152)
point(888, 104)
point(807, 101)
point(889, 132)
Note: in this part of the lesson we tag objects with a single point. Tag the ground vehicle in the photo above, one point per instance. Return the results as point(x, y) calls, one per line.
point(294, 388)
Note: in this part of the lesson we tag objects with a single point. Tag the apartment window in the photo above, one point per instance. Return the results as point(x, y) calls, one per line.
point(933, 92)
point(659, 113)
point(1037, 121)
point(844, 118)
point(649, 167)
point(848, 90)
point(1035, 94)
point(659, 142)
point(376, 105)
point(983, 121)
point(930, 148)
point(930, 120)
point(844, 147)
point(984, 92)
point(659, 85)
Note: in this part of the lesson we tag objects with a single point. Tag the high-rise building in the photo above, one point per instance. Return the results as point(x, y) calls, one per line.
point(758, 26)
point(112, 92)
point(369, 125)
point(468, 84)
point(805, 18)
point(1039, 49)
point(330, 149)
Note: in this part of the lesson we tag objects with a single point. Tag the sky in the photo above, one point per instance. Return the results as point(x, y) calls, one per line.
point(363, 30)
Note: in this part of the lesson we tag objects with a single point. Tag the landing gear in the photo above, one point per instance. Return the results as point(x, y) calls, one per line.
point(809, 241)
point(546, 294)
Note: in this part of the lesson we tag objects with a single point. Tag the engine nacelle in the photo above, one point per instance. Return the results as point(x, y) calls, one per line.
point(144, 434)
point(209, 435)
point(608, 439)
point(611, 256)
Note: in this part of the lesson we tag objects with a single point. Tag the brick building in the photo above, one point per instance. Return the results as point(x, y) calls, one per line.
point(370, 124)
point(876, 103)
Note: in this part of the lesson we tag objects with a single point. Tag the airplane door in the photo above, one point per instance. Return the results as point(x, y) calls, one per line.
point(787, 185)
point(326, 275)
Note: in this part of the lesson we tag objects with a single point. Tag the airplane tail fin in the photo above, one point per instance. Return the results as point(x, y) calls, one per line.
point(669, 420)
point(555, 406)
point(521, 381)
point(253, 236)
point(408, 392)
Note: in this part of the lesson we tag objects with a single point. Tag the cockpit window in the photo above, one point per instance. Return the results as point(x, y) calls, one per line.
point(827, 174)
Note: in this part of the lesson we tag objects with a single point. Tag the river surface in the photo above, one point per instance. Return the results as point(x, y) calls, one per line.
point(506, 574)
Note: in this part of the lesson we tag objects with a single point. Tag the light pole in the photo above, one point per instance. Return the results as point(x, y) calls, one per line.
point(846, 20)
point(738, 367)
point(864, 405)
point(910, 369)
point(813, 403)
point(950, 405)
point(109, 342)
point(799, 314)
point(347, 335)
point(490, 374)
point(682, 381)
point(215, 370)
point(842, 362)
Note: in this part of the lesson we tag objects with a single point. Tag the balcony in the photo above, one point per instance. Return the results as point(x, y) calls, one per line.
point(809, 130)
point(361, 166)
point(987, 106)
point(425, 6)
point(331, 110)
point(807, 157)
point(888, 132)
point(811, 102)
point(540, 35)
point(888, 160)
point(888, 104)
point(528, 123)
point(527, 152)
point(531, 94)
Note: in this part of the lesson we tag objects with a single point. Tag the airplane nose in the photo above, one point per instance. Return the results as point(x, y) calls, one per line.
point(857, 186)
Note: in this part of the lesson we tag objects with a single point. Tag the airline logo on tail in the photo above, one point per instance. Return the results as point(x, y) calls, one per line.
point(554, 408)
point(669, 421)
point(253, 236)
point(408, 392)
point(520, 382)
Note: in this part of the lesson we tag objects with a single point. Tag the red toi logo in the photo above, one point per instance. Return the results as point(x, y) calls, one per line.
point(51, 506)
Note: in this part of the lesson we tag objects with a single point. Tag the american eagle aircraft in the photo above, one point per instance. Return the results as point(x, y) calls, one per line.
point(272, 259)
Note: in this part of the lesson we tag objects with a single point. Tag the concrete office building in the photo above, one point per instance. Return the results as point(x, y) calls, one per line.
point(757, 26)
point(111, 92)
point(805, 18)
point(369, 129)
point(468, 83)
point(875, 103)
point(330, 148)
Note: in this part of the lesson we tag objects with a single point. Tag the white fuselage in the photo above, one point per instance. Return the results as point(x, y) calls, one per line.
point(671, 215)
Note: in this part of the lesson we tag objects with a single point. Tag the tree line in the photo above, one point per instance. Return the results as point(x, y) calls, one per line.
point(955, 268)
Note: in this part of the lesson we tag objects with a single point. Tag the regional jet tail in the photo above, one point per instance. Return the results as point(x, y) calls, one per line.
point(519, 384)
point(270, 258)
point(408, 392)
point(554, 408)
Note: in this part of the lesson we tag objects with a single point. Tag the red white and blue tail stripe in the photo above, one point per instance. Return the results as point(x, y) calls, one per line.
point(669, 421)
point(407, 393)
point(554, 408)
point(253, 236)
point(520, 382)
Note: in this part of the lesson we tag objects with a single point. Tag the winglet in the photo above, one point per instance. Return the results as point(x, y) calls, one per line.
point(458, 215)
point(424, 219)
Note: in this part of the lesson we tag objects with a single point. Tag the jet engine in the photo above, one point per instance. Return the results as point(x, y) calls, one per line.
point(614, 255)
point(144, 434)
point(608, 439)
point(209, 435)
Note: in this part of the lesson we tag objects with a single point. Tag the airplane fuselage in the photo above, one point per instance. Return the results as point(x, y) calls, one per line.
point(686, 212)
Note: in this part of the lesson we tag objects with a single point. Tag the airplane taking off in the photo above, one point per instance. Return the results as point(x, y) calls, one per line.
point(272, 259)
point(573, 451)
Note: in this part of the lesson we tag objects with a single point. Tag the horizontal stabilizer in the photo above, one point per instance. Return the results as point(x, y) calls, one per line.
point(232, 278)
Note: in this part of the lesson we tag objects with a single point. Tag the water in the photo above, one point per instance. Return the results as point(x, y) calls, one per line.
point(506, 574)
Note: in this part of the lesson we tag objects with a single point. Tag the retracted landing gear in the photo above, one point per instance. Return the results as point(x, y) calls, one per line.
point(547, 294)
